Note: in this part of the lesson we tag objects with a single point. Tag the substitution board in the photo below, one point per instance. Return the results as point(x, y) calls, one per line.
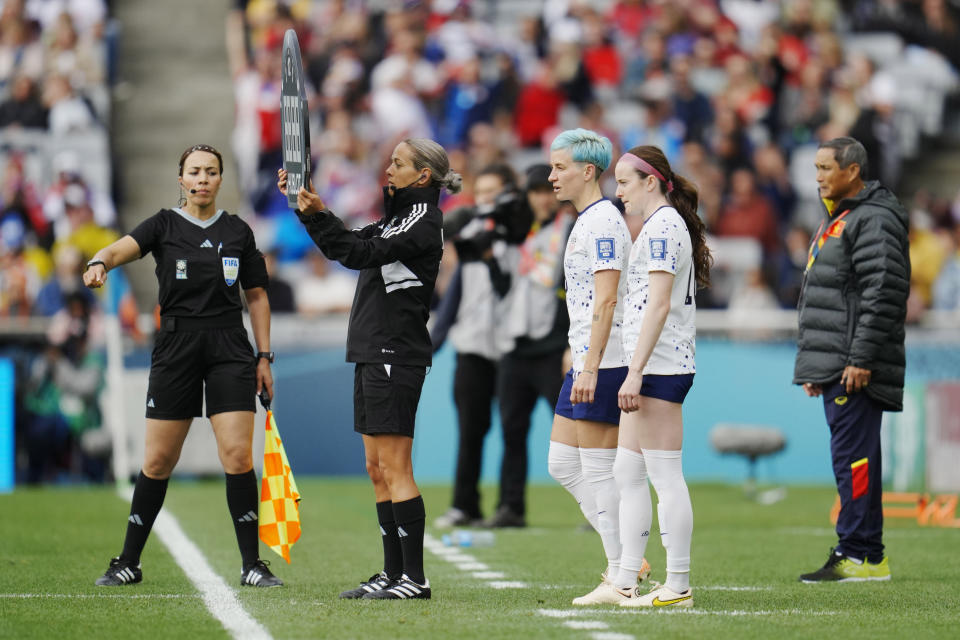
point(294, 119)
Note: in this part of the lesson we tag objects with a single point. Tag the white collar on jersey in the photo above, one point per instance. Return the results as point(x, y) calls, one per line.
point(203, 224)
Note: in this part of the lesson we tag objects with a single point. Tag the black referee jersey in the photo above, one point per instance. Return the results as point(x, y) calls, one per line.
point(201, 264)
point(398, 258)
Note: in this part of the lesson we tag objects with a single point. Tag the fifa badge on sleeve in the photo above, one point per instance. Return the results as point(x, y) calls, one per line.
point(658, 248)
point(606, 249)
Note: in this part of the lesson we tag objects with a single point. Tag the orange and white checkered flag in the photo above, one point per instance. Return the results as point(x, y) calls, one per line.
point(279, 497)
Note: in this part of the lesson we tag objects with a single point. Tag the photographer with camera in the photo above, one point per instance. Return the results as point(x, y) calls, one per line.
point(533, 338)
point(486, 238)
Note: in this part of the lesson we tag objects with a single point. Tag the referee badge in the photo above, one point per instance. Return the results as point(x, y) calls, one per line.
point(181, 269)
point(231, 267)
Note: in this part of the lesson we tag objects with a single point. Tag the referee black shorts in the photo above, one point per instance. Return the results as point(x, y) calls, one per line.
point(385, 398)
point(184, 362)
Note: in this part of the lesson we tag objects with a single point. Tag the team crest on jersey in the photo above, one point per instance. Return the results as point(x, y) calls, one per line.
point(606, 249)
point(231, 267)
point(181, 269)
point(658, 248)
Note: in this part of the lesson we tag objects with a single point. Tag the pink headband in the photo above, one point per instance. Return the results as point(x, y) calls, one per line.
point(642, 165)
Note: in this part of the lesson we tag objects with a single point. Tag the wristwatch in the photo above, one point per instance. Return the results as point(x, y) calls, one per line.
point(266, 354)
point(96, 262)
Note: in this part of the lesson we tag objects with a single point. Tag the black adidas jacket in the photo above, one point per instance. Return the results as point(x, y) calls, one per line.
point(398, 258)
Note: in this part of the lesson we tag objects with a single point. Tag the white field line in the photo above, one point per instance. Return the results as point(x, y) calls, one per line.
point(219, 599)
point(69, 596)
point(573, 613)
point(733, 613)
point(456, 556)
point(508, 584)
point(459, 558)
point(497, 580)
point(586, 624)
point(720, 587)
point(561, 613)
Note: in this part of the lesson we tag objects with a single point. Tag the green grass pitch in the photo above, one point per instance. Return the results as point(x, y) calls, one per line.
point(746, 558)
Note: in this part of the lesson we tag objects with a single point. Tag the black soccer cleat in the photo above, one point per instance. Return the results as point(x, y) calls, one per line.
point(838, 568)
point(402, 589)
point(258, 575)
point(376, 582)
point(120, 572)
point(503, 518)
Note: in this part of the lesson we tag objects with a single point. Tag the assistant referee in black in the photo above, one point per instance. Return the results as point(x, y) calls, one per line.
point(203, 256)
point(398, 258)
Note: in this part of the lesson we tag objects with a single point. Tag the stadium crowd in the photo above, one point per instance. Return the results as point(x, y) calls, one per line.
point(57, 209)
point(737, 92)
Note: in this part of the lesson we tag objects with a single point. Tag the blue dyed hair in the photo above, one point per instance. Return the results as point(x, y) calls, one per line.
point(586, 146)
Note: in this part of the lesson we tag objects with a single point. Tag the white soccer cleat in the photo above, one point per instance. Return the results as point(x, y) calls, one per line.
point(605, 593)
point(659, 596)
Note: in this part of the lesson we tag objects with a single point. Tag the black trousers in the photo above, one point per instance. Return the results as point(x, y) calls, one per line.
point(474, 386)
point(854, 421)
point(522, 382)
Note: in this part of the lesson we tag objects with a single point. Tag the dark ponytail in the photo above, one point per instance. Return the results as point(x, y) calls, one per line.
point(683, 197)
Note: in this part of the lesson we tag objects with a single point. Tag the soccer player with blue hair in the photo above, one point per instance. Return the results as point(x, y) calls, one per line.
point(583, 441)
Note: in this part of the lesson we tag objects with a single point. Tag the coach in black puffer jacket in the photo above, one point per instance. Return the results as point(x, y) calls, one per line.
point(854, 298)
point(850, 349)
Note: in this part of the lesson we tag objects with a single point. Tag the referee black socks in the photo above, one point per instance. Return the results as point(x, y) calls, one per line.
point(243, 503)
point(411, 517)
point(148, 495)
point(392, 551)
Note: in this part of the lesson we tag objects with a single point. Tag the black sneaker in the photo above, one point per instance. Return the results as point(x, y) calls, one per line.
point(258, 575)
point(505, 517)
point(119, 573)
point(376, 582)
point(838, 568)
point(402, 589)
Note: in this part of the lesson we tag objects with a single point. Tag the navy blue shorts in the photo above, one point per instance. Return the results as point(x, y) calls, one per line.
point(669, 388)
point(604, 406)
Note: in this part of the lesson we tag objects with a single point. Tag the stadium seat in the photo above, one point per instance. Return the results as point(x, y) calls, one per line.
point(753, 442)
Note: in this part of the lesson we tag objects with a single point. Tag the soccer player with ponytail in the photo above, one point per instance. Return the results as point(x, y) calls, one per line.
point(668, 262)
point(398, 258)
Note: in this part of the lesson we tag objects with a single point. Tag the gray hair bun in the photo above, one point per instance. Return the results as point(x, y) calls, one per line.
point(452, 182)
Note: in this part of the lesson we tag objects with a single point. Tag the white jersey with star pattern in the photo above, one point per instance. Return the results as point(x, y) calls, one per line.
point(599, 241)
point(663, 245)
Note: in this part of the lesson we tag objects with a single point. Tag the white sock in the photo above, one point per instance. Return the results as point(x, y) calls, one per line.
point(678, 582)
point(636, 514)
point(563, 463)
point(598, 471)
point(675, 513)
